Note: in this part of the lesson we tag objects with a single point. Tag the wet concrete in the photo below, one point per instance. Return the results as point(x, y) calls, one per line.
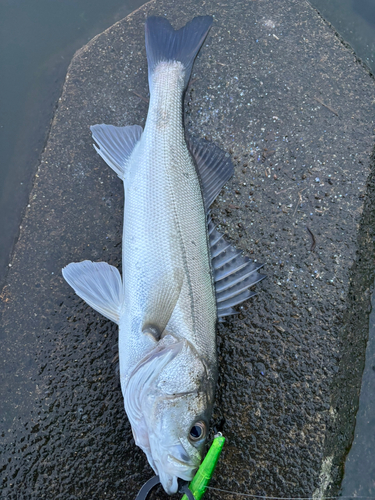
point(274, 86)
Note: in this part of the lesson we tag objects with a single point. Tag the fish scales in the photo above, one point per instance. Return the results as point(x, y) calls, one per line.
point(168, 300)
point(165, 226)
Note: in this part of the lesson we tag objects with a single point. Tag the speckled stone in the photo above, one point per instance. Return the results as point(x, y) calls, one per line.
point(275, 87)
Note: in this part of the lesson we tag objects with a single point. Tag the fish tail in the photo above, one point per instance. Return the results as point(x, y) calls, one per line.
point(164, 44)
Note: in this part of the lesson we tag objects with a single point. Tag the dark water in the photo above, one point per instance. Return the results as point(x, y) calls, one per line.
point(355, 21)
point(38, 39)
point(359, 479)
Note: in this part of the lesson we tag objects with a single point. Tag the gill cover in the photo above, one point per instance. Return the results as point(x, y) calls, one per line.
point(167, 393)
point(141, 382)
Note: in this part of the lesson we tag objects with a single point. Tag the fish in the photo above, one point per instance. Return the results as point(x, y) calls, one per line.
point(179, 275)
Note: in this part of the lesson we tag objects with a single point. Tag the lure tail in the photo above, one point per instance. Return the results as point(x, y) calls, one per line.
point(164, 44)
point(203, 476)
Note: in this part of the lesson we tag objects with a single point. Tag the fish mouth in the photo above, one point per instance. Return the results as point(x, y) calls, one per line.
point(178, 470)
point(169, 482)
point(186, 468)
point(170, 468)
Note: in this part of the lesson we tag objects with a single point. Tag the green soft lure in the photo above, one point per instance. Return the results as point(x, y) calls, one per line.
point(203, 476)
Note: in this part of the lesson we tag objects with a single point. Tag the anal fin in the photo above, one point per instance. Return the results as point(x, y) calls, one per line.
point(116, 144)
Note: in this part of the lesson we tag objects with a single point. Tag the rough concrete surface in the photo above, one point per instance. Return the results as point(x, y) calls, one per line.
point(276, 88)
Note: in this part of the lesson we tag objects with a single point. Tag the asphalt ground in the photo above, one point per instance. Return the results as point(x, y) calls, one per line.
point(276, 88)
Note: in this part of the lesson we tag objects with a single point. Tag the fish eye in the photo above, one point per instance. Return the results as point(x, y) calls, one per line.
point(198, 431)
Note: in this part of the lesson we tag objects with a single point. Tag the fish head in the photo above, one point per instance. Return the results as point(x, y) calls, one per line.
point(168, 401)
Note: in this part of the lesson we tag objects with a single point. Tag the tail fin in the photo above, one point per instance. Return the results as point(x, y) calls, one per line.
point(163, 43)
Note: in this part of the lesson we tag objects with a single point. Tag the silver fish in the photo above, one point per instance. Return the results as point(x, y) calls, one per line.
point(179, 275)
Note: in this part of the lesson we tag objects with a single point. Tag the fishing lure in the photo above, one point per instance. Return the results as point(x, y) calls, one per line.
point(200, 481)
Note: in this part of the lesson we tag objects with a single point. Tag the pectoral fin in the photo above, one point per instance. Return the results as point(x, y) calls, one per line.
point(98, 284)
point(161, 302)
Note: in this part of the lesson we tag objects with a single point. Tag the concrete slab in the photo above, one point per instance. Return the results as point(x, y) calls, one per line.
point(274, 86)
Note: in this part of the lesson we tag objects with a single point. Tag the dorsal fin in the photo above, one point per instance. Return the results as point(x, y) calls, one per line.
point(214, 167)
point(234, 274)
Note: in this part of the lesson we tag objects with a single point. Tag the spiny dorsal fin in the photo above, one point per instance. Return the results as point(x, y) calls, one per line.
point(214, 167)
point(234, 274)
point(98, 284)
point(116, 144)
